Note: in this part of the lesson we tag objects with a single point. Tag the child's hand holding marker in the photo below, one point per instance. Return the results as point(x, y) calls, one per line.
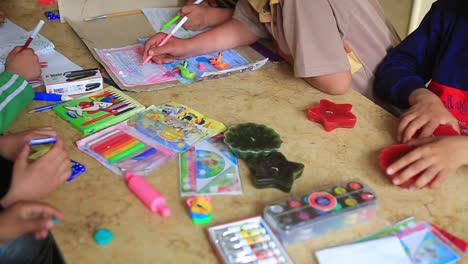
point(24, 63)
point(13, 144)
point(33, 180)
point(28, 217)
point(175, 48)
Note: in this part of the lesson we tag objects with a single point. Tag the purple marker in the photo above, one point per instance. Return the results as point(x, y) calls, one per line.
point(41, 141)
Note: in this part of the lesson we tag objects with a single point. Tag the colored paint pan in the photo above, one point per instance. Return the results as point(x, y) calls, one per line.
point(338, 190)
point(322, 201)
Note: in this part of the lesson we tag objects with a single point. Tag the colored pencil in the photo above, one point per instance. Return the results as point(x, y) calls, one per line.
point(124, 13)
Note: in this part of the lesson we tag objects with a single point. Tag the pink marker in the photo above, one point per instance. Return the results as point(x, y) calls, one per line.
point(147, 194)
point(173, 31)
point(33, 34)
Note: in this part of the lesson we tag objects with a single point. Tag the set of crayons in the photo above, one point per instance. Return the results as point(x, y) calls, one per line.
point(118, 145)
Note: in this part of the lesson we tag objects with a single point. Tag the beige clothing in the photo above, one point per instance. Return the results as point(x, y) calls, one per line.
point(312, 32)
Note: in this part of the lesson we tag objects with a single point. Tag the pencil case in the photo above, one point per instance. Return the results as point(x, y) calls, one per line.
point(319, 212)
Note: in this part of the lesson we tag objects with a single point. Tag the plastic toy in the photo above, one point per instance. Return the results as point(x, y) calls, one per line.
point(275, 171)
point(147, 194)
point(52, 15)
point(332, 115)
point(218, 64)
point(103, 236)
point(200, 208)
point(184, 71)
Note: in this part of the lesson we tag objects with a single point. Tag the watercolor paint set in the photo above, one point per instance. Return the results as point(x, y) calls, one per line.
point(247, 241)
point(328, 209)
point(150, 138)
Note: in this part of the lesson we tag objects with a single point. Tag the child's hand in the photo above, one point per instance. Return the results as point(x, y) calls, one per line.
point(198, 16)
point(427, 112)
point(24, 63)
point(27, 217)
point(2, 17)
point(175, 48)
point(13, 144)
point(430, 158)
point(34, 180)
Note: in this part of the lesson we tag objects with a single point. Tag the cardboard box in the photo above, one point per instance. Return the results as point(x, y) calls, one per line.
point(73, 82)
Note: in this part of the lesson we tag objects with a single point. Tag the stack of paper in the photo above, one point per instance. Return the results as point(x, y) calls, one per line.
point(419, 241)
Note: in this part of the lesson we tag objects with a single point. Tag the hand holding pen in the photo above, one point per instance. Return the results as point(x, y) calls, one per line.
point(24, 63)
point(156, 42)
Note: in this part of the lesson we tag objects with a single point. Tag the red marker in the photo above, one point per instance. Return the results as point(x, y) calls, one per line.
point(33, 34)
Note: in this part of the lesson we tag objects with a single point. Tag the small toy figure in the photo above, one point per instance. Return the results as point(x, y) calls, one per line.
point(184, 71)
point(218, 64)
point(201, 210)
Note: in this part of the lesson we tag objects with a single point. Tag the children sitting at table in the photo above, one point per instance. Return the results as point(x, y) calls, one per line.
point(21, 179)
point(207, 14)
point(325, 40)
point(437, 51)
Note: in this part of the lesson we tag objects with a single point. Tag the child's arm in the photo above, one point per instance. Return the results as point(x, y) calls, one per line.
point(27, 217)
point(430, 158)
point(34, 180)
point(203, 16)
point(19, 67)
point(228, 35)
point(408, 66)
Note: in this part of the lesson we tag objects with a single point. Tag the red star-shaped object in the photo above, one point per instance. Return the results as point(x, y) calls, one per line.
point(332, 115)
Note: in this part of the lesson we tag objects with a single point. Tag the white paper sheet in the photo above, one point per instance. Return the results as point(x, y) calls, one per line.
point(159, 16)
point(386, 250)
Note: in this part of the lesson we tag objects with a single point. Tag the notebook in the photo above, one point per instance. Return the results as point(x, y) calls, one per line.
point(96, 111)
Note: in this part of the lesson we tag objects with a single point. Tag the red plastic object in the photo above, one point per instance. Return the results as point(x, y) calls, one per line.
point(389, 155)
point(440, 131)
point(46, 2)
point(332, 115)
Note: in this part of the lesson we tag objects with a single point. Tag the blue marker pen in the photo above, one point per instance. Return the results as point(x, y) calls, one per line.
point(44, 108)
point(41, 141)
point(51, 97)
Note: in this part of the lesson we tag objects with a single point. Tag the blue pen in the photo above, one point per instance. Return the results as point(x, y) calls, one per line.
point(51, 97)
point(41, 141)
point(44, 108)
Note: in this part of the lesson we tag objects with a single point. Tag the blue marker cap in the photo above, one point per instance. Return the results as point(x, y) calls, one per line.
point(41, 141)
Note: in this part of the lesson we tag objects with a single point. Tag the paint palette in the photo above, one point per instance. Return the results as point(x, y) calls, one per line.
point(301, 218)
point(247, 241)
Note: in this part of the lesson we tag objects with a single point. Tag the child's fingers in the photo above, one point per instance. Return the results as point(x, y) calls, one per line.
point(411, 171)
point(425, 178)
point(404, 122)
point(41, 234)
point(428, 129)
point(403, 162)
point(33, 210)
point(22, 159)
point(162, 59)
point(38, 225)
point(440, 179)
point(412, 128)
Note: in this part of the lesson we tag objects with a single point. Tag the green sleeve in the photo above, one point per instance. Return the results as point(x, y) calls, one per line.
point(15, 94)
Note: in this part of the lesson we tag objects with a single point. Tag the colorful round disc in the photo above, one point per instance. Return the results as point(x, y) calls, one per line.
point(350, 202)
point(322, 201)
point(367, 196)
point(338, 190)
point(294, 204)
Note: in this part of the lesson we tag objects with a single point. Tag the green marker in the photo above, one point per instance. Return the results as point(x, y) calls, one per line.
point(127, 153)
point(170, 22)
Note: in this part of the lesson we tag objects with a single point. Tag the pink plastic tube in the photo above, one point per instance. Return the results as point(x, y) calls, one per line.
point(147, 194)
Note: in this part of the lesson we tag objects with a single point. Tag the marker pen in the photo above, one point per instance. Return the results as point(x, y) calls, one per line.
point(39, 96)
point(41, 141)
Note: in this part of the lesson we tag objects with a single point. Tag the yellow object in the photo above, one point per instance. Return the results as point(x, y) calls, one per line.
point(171, 134)
point(201, 205)
point(38, 151)
point(125, 13)
point(354, 62)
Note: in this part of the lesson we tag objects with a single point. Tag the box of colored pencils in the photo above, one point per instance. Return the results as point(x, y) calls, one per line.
point(324, 210)
point(96, 111)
